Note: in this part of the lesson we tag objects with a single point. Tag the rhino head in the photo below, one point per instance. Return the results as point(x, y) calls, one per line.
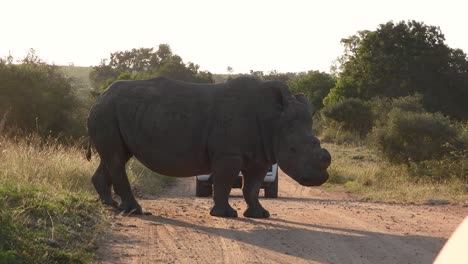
point(298, 151)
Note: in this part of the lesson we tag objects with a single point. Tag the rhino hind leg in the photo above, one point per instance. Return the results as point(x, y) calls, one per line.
point(123, 189)
point(252, 182)
point(115, 163)
point(114, 155)
point(103, 185)
point(224, 172)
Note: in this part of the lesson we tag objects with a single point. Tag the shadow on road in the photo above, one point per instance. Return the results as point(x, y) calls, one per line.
point(323, 243)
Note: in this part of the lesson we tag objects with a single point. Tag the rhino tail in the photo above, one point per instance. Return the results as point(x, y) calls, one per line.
point(88, 150)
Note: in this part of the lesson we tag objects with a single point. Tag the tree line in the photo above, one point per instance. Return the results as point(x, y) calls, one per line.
point(145, 63)
point(36, 97)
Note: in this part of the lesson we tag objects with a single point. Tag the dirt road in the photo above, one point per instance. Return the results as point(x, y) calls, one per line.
point(307, 225)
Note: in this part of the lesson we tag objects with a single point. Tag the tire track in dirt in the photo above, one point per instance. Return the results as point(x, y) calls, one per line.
point(308, 225)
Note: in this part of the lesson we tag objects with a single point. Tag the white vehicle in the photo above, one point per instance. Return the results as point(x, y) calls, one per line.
point(204, 183)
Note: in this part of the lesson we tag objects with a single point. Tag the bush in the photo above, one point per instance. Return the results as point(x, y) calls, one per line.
point(37, 97)
point(331, 132)
point(382, 106)
point(442, 170)
point(411, 103)
point(315, 85)
point(351, 115)
point(414, 137)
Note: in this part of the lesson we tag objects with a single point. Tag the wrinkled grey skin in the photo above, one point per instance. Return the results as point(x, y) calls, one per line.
point(183, 129)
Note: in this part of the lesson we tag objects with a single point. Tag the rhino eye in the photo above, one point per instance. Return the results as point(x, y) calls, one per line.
point(292, 149)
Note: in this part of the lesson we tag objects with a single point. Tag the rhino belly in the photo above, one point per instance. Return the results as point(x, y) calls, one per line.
point(173, 165)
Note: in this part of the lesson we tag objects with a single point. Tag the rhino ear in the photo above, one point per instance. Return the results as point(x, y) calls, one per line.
point(280, 91)
point(302, 98)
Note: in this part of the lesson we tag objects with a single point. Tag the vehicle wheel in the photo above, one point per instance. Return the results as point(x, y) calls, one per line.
point(203, 189)
point(272, 190)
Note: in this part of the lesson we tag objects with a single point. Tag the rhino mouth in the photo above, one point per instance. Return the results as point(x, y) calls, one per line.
point(314, 180)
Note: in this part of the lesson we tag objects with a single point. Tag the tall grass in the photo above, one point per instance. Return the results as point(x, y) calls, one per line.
point(45, 163)
point(48, 212)
point(360, 170)
point(48, 207)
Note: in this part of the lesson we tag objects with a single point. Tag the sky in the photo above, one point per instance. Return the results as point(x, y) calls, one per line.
point(287, 36)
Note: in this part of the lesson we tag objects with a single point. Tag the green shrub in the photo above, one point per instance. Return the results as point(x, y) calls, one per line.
point(382, 106)
point(351, 115)
point(38, 98)
point(315, 86)
point(442, 170)
point(411, 103)
point(414, 137)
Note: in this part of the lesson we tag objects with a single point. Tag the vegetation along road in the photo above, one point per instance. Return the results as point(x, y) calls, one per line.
point(308, 225)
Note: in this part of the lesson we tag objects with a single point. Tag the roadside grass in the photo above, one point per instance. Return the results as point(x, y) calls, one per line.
point(48, 207)
point(48, 212)
point(359, 170)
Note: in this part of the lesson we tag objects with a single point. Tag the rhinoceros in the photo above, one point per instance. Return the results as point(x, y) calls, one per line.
point(184, 129)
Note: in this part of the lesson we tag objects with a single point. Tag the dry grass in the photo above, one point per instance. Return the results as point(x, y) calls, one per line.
point(48, 210)
point(362, 171)
point(48, 207)
point(44, 164)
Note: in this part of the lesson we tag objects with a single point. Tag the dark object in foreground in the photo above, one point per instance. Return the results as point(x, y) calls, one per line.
point(184, 129)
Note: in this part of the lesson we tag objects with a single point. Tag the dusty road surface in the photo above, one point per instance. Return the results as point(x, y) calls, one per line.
point(308, 225)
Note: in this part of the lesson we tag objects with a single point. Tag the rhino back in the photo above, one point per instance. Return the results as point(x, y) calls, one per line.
point(164, 123)
point(175, 128)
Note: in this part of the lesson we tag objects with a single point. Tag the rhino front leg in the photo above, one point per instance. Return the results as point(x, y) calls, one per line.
point(253, 179)
point(224, 172)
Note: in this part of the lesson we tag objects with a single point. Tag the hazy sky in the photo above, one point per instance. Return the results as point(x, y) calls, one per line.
point(260, 35)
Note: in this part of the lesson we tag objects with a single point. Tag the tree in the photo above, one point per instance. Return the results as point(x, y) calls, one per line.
point(37, 96)
point(144, 63)
point(402, 59)
point(273, 75)
point(315, 85)
point(350, 114)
